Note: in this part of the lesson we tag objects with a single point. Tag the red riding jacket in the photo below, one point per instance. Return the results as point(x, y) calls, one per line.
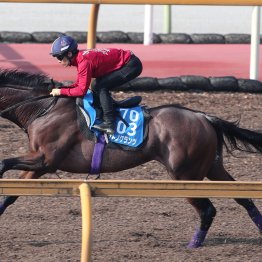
point(94, 63)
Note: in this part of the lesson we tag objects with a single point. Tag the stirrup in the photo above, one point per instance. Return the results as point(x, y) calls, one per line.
point(105, 128)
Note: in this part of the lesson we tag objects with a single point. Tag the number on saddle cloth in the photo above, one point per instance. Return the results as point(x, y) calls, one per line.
point(129, 123)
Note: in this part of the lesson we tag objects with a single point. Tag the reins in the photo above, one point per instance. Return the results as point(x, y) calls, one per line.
point(23, 81)
point(23, 103)
point(30, 100)
point(26, 88)
point(48, 108)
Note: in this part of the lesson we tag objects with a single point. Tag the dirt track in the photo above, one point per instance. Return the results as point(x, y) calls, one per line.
point(137, 229)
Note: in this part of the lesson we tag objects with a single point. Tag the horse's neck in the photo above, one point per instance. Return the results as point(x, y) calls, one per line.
point(11, 95)
point(20, 115)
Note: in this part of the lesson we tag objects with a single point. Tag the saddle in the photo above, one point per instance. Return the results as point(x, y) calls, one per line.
point(128, 136)
point(125, 103)
point(128, 102)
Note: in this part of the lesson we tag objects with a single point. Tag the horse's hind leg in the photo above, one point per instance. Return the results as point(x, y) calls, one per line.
point(9, 200)
point(252, 211)
point(220, 174)
point(206, 212)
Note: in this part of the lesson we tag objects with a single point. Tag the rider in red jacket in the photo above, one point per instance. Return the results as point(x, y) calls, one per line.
point(110, 66)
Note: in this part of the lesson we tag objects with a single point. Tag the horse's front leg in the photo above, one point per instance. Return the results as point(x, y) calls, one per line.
point(9, 200)
point(30, 162)
point(33, 165)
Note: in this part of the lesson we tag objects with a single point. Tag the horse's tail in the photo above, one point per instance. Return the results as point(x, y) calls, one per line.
point(235, 138)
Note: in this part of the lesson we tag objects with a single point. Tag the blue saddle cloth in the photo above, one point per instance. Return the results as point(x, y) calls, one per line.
point(129, 123)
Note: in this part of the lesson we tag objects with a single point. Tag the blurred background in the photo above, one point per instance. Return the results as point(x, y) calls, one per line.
point(128, 18)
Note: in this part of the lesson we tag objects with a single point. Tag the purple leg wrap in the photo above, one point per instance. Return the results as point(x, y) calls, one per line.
point(2, 209)
point(197, 239)
point(98, 155)
point(256, 218)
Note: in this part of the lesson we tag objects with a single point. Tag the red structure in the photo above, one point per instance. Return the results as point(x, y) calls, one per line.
point(159, 60)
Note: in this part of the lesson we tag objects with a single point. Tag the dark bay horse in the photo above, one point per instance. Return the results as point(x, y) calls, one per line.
point(188, 143)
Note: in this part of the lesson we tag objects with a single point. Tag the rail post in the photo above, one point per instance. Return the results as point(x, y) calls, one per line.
point(91, 37)
point(255, 43)
point(86, 207)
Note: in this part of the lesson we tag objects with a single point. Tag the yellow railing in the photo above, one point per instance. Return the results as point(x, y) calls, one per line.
point(124, 188)
point(153, 2)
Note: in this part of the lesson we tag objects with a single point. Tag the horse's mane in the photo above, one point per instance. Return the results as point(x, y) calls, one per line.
point(24, 79)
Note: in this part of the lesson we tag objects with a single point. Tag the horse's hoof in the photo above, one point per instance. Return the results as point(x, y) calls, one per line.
point(258, 222)
point(197, 239)
point(194, 244)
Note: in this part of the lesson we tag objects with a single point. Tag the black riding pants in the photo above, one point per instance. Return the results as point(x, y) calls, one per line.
point(104, 84)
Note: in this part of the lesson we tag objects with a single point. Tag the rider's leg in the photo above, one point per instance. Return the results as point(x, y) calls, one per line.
point(106, 103)
point(104, 84)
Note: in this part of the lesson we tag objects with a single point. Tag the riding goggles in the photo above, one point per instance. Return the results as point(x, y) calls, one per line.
point(60, 57)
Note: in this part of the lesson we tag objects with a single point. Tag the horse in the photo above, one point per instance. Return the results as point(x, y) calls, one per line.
point(188, 143)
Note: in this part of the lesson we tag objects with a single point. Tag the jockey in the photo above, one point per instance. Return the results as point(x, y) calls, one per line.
point(110, 66)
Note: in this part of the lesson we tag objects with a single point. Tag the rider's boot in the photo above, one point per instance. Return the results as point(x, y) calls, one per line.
point(108, 125)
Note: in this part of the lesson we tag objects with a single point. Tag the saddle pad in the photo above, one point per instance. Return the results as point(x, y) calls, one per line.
point(129, 132)
point(88, 106)
point(129, 123)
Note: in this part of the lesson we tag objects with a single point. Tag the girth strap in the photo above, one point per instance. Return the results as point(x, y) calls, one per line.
point(98, 155)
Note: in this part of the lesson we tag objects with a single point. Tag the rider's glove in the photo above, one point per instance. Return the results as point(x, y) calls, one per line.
point(56, 92)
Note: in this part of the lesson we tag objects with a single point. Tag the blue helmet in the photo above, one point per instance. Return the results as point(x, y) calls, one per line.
point(62, 45)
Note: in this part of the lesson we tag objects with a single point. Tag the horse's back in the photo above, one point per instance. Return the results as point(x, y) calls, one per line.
point(179, 120)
